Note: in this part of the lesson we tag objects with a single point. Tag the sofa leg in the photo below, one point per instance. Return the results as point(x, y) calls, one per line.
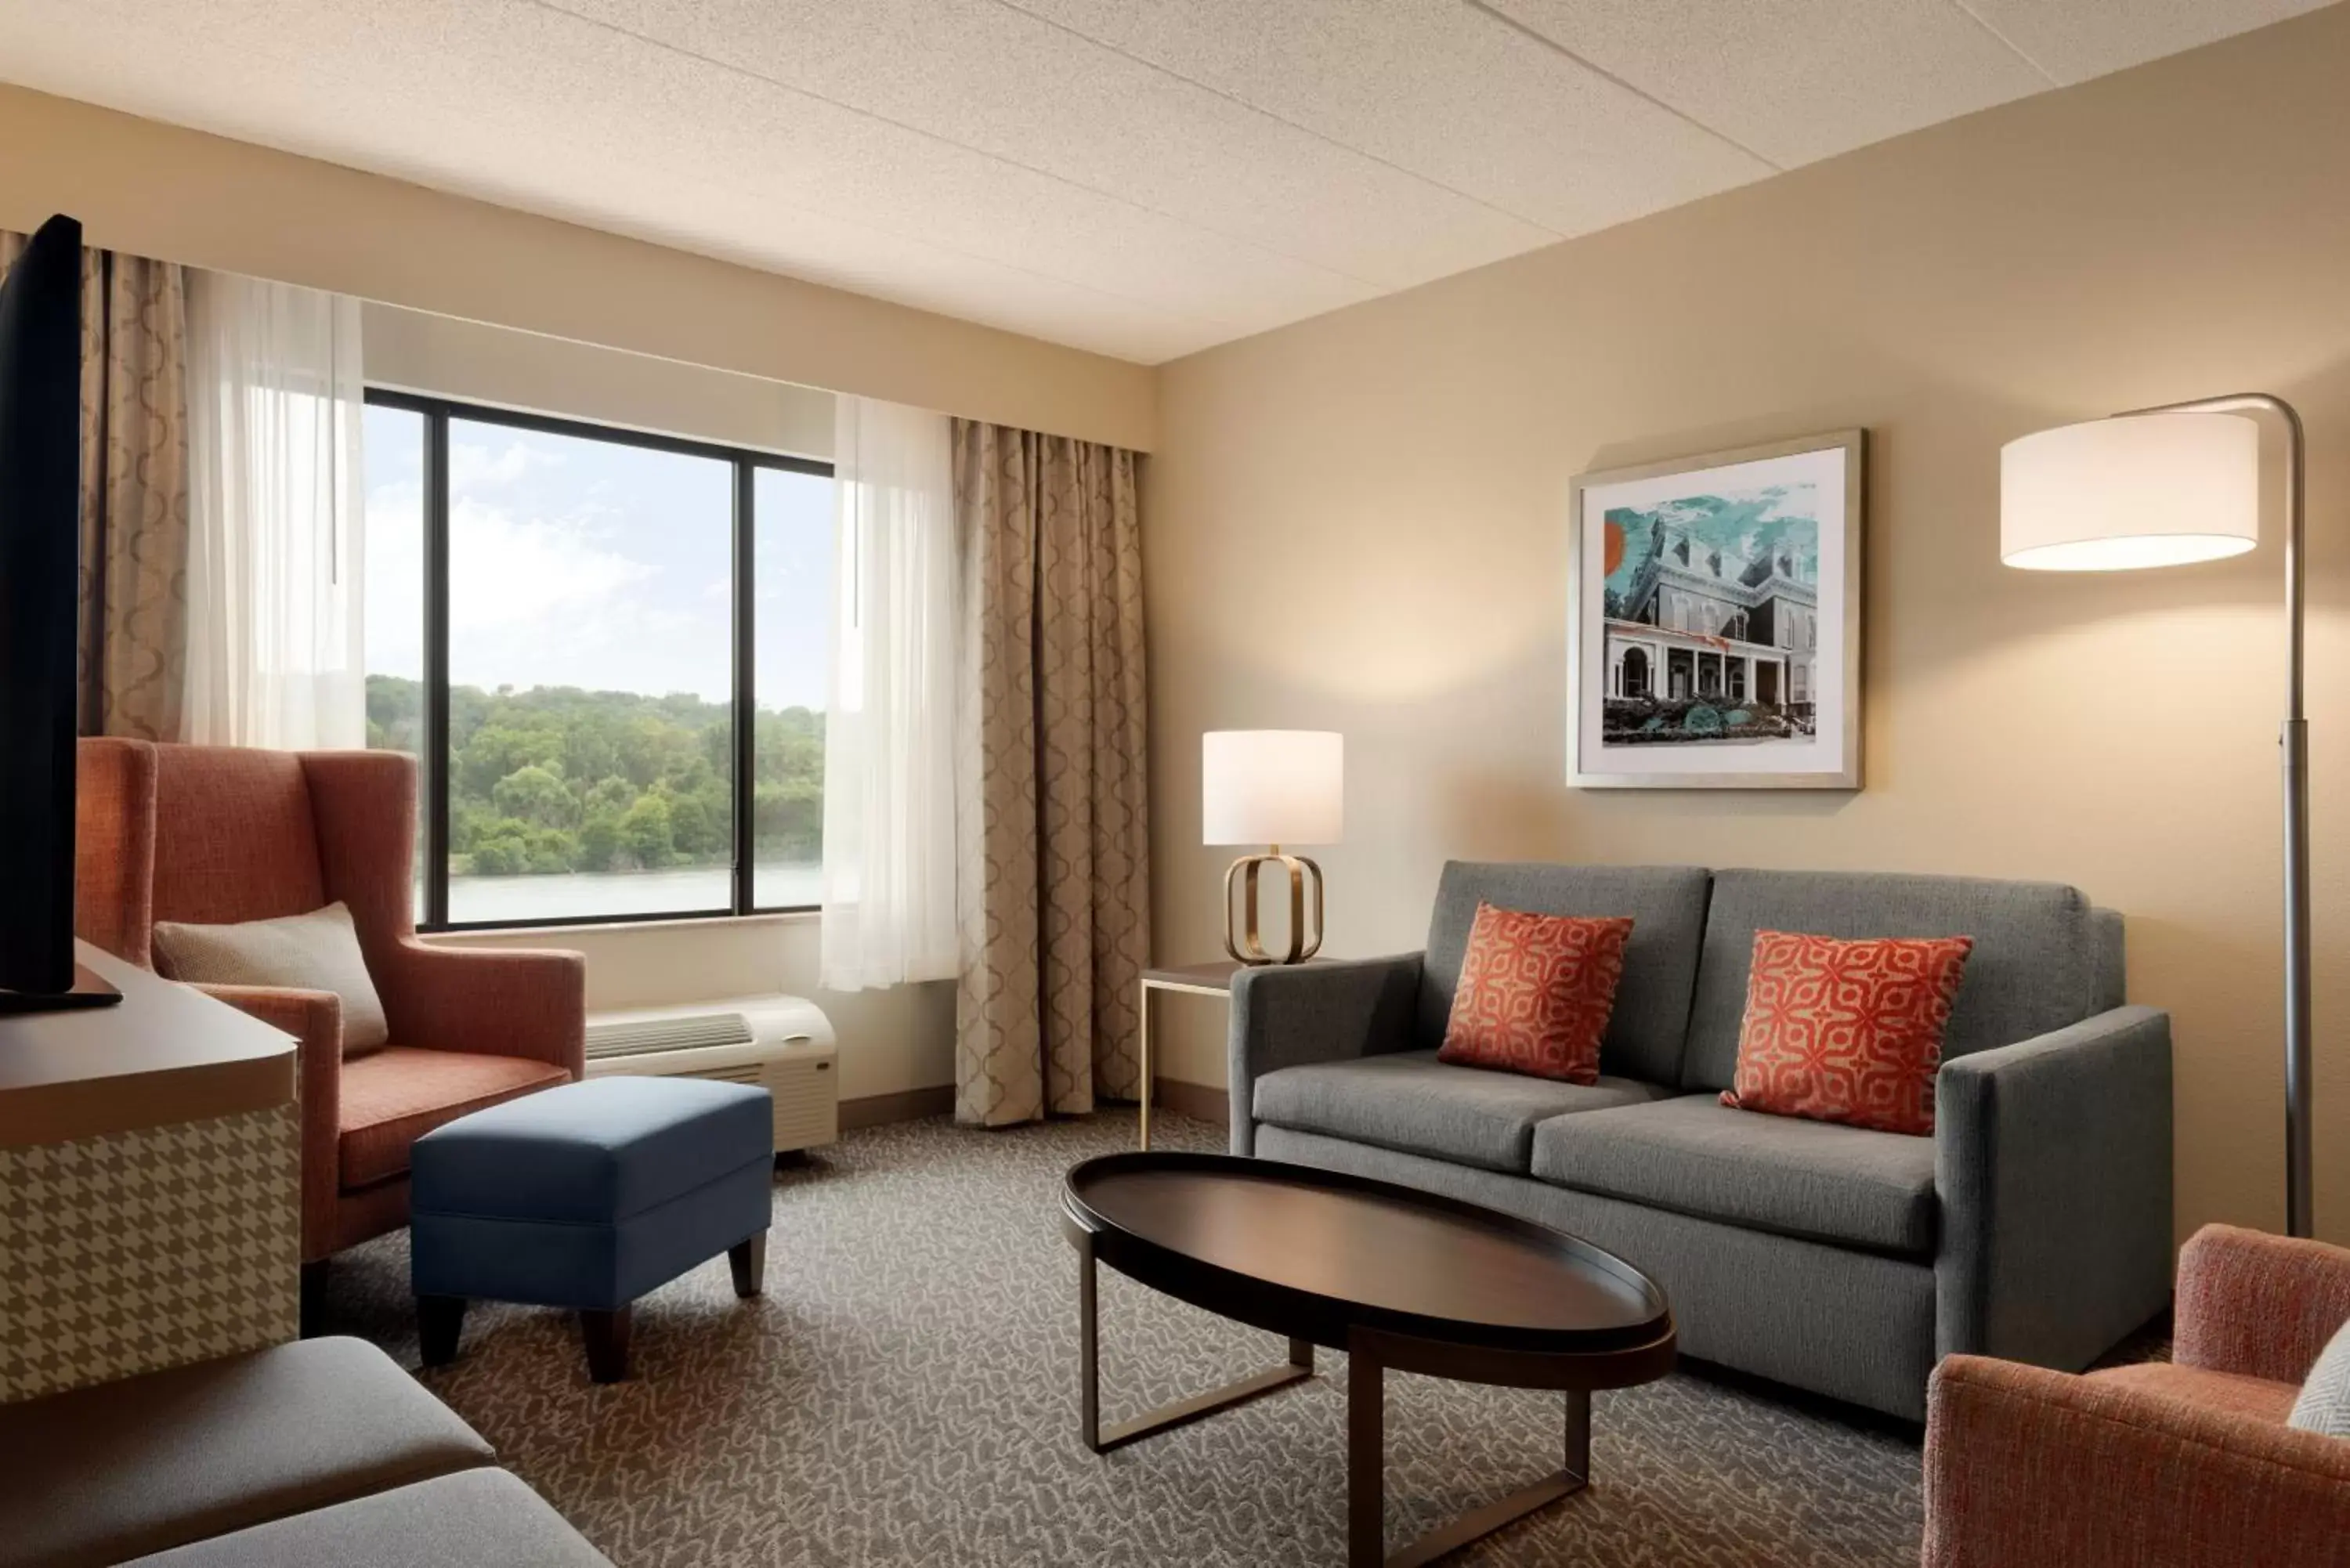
point(313, 1289)
point(749, 1261)
point(607, 1333)
point(439, 1321)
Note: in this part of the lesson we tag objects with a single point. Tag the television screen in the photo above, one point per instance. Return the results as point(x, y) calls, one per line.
point(40, 540)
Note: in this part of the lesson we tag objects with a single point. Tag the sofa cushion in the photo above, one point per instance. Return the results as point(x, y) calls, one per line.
point(1535, 992)
point(1666, 908)
point(393, 1096)
point(482, 1519)
point(100, 1474)
point(1410, 1101)
point(2038, 961)
point(1696, 1156)
point(1847, 1032)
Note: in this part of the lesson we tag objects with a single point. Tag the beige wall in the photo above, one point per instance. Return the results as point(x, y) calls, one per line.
point(160, 191)
point(1358, 522)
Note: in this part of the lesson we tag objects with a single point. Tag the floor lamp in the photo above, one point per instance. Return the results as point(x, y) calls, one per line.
point(2164, 487)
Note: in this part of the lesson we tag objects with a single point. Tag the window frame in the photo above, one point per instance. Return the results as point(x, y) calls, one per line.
point(432, 766)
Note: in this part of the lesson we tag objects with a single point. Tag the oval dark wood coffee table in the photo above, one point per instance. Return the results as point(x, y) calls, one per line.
point(1392, 1276)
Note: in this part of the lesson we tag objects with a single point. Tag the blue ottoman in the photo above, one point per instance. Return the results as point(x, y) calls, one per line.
point(586, 1196)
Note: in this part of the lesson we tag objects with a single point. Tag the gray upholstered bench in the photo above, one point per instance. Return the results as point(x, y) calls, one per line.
point(475, 1518)
point(320, 1452)
point(586, 1197)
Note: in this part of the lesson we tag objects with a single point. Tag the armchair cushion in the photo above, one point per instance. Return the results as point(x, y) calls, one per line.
point(393, 1097)
point(1410, 1101)
point(2324, 1402)
point(316, 951)
point(1695, 1156)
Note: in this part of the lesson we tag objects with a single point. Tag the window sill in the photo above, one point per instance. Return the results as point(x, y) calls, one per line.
point(650, 923)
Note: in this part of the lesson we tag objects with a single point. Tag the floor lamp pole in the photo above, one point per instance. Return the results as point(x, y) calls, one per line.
point(2294, 742)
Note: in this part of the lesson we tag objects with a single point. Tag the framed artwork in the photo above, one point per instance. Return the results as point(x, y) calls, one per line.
point(1713, 633)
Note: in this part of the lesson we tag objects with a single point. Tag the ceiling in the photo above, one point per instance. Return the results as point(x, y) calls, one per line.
point(1142, 178)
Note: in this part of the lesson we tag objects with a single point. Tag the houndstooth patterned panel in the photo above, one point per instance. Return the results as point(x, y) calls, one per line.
point(906, 1393)
point(143, 1249)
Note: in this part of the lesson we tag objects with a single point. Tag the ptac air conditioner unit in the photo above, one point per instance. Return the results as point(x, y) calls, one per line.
point(781, 1043)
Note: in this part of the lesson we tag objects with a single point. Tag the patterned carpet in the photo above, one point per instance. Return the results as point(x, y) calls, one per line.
point(906, 1393)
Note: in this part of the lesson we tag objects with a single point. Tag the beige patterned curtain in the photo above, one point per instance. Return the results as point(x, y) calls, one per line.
point(134, 493)
point(1053, 821)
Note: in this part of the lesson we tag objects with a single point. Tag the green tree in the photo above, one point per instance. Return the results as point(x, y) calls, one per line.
point(644, 833)
point(599, 842)
point(520, 763)
point(537, 795)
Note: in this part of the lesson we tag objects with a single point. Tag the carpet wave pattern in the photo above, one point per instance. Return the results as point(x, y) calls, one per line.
point(906, 1392)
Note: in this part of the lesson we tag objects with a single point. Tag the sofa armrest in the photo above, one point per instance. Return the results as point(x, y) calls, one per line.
point(2052, 1159)
point(1285, 1015)
point(2026, 1468)
point(2259, 1304)
point(490, 1001)
point(315, 1018)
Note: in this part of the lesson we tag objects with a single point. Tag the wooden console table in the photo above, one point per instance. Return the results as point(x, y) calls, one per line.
point(150, 1175)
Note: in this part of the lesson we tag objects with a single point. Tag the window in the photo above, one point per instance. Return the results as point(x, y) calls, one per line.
point(607, 651)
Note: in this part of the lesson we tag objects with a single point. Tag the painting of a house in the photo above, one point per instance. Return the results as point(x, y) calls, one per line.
point(1712, 618)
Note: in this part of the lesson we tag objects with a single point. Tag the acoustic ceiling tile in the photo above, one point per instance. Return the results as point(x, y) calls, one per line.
point(980, 74)
point(1794, 80)
point(2073, 42)
point(1437, 86)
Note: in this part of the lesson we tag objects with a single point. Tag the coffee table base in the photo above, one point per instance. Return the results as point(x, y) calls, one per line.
point(1367, 1366)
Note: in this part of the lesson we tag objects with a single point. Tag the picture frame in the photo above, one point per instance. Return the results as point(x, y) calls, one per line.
point(1714, 619)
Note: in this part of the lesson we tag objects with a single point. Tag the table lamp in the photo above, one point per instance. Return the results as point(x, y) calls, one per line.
point(2163, 487)
point(1272, 787)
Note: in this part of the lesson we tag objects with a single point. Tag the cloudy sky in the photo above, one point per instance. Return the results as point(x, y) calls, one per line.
point(582, 563)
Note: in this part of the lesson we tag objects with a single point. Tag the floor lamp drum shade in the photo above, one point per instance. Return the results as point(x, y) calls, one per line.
point(1272, 787)
point(2152, 490)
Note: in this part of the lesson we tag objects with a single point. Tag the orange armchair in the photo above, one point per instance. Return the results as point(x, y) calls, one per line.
point(220, 834)
point(2181, 1464)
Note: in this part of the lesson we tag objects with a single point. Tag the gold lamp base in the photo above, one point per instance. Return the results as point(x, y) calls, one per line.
point(1244, 945)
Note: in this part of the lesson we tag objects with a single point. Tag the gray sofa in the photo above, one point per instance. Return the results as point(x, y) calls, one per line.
point(2035, 1224)
point(321, 1453)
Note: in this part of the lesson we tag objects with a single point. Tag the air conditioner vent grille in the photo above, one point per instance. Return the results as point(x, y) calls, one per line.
point(646, 1037)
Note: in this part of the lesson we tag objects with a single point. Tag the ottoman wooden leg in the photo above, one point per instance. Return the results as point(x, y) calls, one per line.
point(607, 1333)
point(749, 1261)
point(439, 1321)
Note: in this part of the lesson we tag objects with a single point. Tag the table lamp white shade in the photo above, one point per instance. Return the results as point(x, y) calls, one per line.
point(1272, 786)
point(2140, 490)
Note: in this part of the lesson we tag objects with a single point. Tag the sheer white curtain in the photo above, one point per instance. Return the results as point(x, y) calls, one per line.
point(275, 649)
point(888, 741)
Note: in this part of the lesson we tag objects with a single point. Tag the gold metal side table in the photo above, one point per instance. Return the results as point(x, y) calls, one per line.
point(1198, 980)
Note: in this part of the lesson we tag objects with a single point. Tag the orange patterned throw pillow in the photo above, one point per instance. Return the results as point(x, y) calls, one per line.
point(1536, 991)
point(1847, 1032)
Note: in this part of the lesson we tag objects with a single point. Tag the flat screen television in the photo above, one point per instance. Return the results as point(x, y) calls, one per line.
point(40, 543)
